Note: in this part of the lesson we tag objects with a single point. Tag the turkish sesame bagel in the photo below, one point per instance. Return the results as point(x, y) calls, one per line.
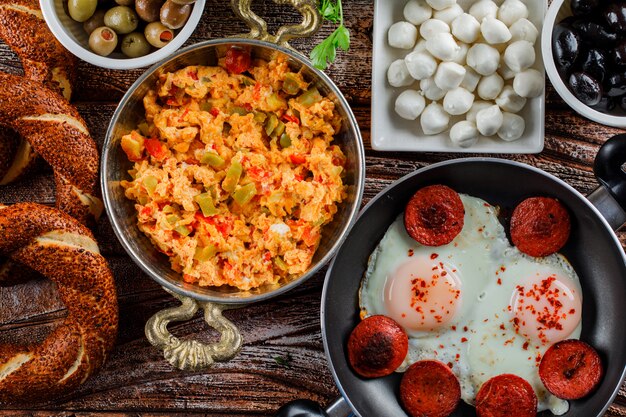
point(57, 246)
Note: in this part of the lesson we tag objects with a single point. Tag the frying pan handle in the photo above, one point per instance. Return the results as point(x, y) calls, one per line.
point(308, 408)
point(609, 167)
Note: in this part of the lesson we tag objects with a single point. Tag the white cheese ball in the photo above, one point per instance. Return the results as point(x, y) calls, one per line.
point(433, 26)
point(490, 86)
point(420, 65)
point(484, 8)
point(443, 46)
point(506, 72)
point(398, 74)
point(476, 107)
point(489, 120)
point(417, 12)
point(449, 75)
point(458, 101)
point(410, 104)
point(471, 79)
point(483, 59)
point(519, 55)
point(464, 134)
point(420, 46)
point(434, 119)
point(511, 11)
point(461, 55)
point(440, 4)
point(528, 83)
point(524, 30)
point(430, 89)
point(494, 31)
point(449, 13)
point(402, 35)
point(510, 101)
point(466, 28)
point(512, 127)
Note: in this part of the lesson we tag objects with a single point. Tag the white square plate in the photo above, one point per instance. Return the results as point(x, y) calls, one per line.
point(390, 132)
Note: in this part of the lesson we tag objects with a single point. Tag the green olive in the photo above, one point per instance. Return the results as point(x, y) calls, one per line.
point(81, 10)
point(121, 19)
point(149, 10)
point(158, 35)
point(125, 2)
point(173, 15)
point(103, 41)
point(135, 45)
point(94, 22)
point(184, 1)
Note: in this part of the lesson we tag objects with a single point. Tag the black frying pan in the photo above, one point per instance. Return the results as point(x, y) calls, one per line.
point(593, 250)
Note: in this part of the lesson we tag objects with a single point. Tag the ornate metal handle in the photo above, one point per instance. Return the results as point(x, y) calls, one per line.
point(258, 27)
point(191, 355)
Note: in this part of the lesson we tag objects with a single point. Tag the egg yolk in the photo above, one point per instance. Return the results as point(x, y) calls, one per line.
point(422, 294)
point(546, 309)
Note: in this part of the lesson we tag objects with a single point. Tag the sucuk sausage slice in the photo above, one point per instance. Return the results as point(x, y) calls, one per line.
point(506, 395)
point(540, 226)
point(429, 388)
point(377, 346)
point(434, 215)
point(570, 369)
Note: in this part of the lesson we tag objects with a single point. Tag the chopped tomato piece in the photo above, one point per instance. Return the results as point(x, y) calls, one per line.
point(214, 111)
point(257, 92)
point(297, 158)
point(146, 211)
point(188, 278)
point(156, 148)
point(237, 60)
point(310, 236)
point(289, 118)
point(193, 75)
point(257, 173)
point(223, 225)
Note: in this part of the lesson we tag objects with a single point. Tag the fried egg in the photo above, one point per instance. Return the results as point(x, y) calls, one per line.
point(477, 304)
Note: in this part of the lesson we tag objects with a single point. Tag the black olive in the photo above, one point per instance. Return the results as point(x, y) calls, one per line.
point(566, 46)
point(619, 54)
point(584, 7)
point(615, 85)
point(593, 33)
point(615, 16)
point(622, 103)
point(593, 62)
point(585, 88)
point(606, 104)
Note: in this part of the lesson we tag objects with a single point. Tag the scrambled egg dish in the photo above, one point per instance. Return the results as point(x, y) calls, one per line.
point(234, 171)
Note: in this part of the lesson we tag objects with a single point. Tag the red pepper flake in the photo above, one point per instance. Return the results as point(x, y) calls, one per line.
point(525, 346)
point(454, 328)
point(463, 339)
point(289, 118)
point(499, 281)
point(411, 252)
point(214, 111)
point(502, 268)
point(403, 315)
point(502, 327)
point(465, 328)
point(450, 365)
point(434, 256)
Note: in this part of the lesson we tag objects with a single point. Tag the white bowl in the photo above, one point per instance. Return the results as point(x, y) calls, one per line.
point(559, 10)
point(72, 36)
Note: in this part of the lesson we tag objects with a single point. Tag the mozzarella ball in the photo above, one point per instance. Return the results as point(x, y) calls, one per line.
point(528, 83)
point(471, 79)
point(443, 46)
point(476, 107)
point(484, 8)
point(434, 119)
point(510, 101)
point(440, 4)
point(420, 65)
point(433, 26)
point(512, 127)
point(449, 75)
point(524, 30)
point(458, 101)
point(461, 55)
point(511, 11)
point(464, 134)
point(489, 120)
point(420, 46)
point(519, 55)
point(449, 13)
point(417, 12)
point(484, 59)
point(494, 31)
point(466, 28)
point(430, 89)
point(402, 35)
point(398, 74)
point(506, 72)
point(490, 87)
point(410, 104)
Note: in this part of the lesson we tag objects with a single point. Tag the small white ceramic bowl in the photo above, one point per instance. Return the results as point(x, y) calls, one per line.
point(72, 36)
point(559, 10)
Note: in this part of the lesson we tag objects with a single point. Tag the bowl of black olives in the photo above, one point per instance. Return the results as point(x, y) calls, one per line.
point(584, 51)
point(122, 34)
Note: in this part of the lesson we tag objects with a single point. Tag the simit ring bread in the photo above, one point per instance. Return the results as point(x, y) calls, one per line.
point(57, 132)
point(56, 245)
point(44, 59)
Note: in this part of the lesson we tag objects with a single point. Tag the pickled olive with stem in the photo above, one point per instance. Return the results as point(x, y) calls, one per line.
point(81, 10)
point(103, 41)
point(174, 15)
point(121, 19)
point(158, 35)
point(94, 22)
point(135, 45)
point(149, 10)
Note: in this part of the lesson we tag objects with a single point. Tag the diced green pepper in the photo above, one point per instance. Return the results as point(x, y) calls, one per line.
point(260, 117)
point(245, 194)
point(144, 129)
point(310, 97)
point(291, 85)
point(205, 201)
point(280, 129)
point(212, 159)
point(143, 200)
point(318, 222)
point(232, 176)
point(168, 209)
point(285, 140)
point(172, 219)
point(247, 81)
point(271, 124)
point(239, 110)
point(183, 230)
point(150, 183)
point(207, 105)
point(276, 197)
point(275, 102)
point(278, 261)
point(203, 254)
point(205, 80)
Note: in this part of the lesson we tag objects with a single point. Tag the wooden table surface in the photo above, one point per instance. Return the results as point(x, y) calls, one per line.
point(136, 380)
